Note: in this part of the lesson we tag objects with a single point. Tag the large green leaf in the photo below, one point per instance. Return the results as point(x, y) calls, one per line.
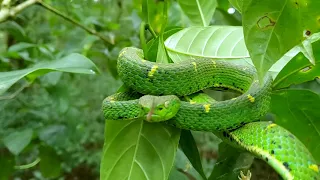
point(298, 111)
point(199, 12)
point(138, 150)
point(209, 42)
point(272, 28)
point(299, 69)
point(74, 63)
point(17, 141)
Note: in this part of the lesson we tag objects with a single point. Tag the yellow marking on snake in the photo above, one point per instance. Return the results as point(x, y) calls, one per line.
point(195, 66)
point(251, 98)
point(153, 70)
point(121, 54)
point(112, 101)
point(192, 102)
point(214, 63)
point(281, 169)
point(206, 107)
point(143, 60)
point(233, 98)
point(271, 126)
point(314, 167)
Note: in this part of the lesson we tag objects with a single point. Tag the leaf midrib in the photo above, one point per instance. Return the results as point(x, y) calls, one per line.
point(272, 30)
point(204, 23)
point(135, 151)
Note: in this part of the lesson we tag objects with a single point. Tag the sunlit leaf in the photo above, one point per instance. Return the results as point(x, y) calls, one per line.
point(138, 150)
point(297, 111)
point(18, 140)
point(272, 28)
point(200, 12)
point(209, 42)
point(299, 69)
point(306, 49)
point(74, 63)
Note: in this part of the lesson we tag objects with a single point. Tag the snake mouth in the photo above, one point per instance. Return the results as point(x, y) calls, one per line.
point(150, 115)
point(152, 118)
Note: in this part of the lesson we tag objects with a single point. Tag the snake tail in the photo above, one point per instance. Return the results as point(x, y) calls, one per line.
point(284, 152)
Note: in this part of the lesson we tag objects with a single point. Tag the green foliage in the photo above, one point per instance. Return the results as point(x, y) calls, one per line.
point(17, 141)
point(189, 147)
point(199, 12)
point(299, 70)
point(138, 150)
point(273, 27)
point(56, 116)
point(296, 110)
point(74, 63)
point(226, 164)
point(50, 165)
point(6, 165)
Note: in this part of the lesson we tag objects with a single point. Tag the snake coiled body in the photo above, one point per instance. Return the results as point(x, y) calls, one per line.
point(191, 76)
point(267, 141)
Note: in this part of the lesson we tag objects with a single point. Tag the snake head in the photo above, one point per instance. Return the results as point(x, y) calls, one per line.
point(159, 108)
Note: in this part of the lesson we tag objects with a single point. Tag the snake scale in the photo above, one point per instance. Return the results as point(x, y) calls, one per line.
point(158, 90)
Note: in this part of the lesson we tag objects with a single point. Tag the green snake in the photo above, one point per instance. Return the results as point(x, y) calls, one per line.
point(169, 93)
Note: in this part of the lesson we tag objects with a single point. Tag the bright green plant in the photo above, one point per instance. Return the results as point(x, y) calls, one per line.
point(51, 123)
point(268, 38)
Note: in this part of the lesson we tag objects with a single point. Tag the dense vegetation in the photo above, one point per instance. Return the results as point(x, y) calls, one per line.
point(58, 62)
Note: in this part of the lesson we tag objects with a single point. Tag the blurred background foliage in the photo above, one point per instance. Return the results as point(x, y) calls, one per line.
point(58, 117)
